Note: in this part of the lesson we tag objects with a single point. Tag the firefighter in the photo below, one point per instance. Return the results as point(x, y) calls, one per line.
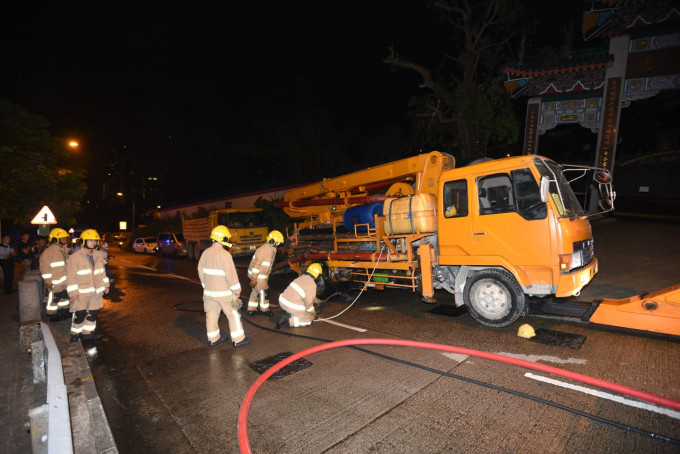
point(221, 290)
point(52, 265)
point(298, 299)
point(259, 270)
point(86, 283)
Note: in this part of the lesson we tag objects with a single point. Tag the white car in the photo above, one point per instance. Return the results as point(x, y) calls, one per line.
point(144, 245)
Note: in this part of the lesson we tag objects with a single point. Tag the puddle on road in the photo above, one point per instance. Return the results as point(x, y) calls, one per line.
point(262, 365)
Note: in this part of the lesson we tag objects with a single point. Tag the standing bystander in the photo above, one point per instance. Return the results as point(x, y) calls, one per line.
point(25, 251)
point(7, 255)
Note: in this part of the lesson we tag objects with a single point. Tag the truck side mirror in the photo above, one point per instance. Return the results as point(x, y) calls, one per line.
point(545, 189)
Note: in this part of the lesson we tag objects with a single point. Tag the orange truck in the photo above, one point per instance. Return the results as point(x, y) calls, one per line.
point(491, 233)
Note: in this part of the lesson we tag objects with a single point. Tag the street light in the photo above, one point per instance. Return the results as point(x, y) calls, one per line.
point(73, 143)
point(134, 199)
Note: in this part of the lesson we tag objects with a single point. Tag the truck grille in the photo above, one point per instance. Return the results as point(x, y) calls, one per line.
point(587, 249)
point(251, 239)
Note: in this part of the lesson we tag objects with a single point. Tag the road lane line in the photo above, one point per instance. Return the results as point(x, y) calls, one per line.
point(546, 358)
point(603, 395)
point(361, 330)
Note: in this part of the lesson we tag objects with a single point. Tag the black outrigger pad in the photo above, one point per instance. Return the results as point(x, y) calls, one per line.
point(448, 310)
point(558, 338)
point(262, 365)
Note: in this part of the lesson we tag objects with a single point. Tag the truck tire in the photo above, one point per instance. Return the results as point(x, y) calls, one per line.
point(494, 298)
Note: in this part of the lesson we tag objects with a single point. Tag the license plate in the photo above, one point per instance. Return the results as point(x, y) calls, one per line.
point(252, 248)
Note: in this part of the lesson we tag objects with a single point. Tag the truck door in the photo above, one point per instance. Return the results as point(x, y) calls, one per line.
point(455, 223)
point(511, 225)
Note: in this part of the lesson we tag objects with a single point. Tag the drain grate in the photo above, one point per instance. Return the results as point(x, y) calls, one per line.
point(558, 338)
point(448, 310)
point(262, 365)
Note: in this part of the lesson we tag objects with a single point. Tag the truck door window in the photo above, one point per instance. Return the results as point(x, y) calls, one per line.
point(528, 195)
point(495, 194)
point(223, 219)
point(455, 199)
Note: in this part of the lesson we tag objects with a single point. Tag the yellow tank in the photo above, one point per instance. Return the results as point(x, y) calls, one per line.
point(416, 214)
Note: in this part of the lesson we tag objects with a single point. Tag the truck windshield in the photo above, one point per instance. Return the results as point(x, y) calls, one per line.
point(560, 192)
point(246, 220)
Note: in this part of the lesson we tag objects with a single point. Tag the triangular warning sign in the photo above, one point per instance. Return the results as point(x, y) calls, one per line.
point(44, 217)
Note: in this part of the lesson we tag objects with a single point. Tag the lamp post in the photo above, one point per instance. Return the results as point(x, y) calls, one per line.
point(134, 200)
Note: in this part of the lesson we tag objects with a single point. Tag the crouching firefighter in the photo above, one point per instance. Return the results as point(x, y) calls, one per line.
point(259, 270)
point(52, 265)
point(221, 290)
point(298, 299)
point(86, 283)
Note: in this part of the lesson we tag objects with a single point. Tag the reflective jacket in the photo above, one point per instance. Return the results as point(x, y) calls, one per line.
point(261, 264)
point(53, 266)
point(218, 276)
point(86, 280)
point(300, 294)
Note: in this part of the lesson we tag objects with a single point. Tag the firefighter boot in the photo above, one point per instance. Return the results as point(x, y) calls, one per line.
point(74, 337)
point(283, 321)
point(223, 337)
point(245, 341)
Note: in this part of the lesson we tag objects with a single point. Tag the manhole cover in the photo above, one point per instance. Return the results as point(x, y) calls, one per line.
point(262, 365)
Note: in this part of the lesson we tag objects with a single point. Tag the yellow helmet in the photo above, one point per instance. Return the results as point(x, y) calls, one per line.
point(314, 269)
point(90, 234)
point(221, 234)
point(526, 331)
point(275, 236)
point(56, 234)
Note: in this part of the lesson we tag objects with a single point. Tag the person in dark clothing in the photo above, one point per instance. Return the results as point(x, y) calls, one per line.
point(7, 255)
point(25, 246)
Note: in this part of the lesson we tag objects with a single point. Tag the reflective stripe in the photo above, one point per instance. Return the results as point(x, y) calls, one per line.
point(213, 272)
point(63, 303)
point(98, 271)
point(59, 281)
point(50, 306)
point(217, 294)
point(83, 272)
point(298, 289)
point(90, 326)
point(266, 264)
point(100, 289)
point(75, 330)
point(213, 333)
point(254, 270)
point(236, 287)
point(262, 276)
point(285, 302)
point(86, 290)
point(239, 328)
point(56, 264)
point(106, 280)
point(47, 276)
point(264, 305)
point(72, 288)
point(252, 304)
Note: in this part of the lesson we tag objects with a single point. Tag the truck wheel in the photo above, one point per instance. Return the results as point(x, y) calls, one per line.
point(494, 298)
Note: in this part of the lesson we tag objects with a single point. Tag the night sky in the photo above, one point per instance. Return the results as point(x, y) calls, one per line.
point(114, 75)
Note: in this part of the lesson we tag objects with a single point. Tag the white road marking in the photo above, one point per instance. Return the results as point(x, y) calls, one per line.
point(546, 358)
point(361, 330)
point(603, 395)
point(456, 356)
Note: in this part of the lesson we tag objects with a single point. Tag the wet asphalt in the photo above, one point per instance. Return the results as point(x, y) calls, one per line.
point(164, 390)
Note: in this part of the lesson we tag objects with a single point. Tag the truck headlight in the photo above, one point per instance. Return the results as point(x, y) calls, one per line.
point(570, 261)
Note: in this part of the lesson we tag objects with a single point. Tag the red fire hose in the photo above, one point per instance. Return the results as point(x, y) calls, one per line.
point(242, 426)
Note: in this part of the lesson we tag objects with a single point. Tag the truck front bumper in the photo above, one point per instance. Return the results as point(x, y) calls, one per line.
point(571, 284)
